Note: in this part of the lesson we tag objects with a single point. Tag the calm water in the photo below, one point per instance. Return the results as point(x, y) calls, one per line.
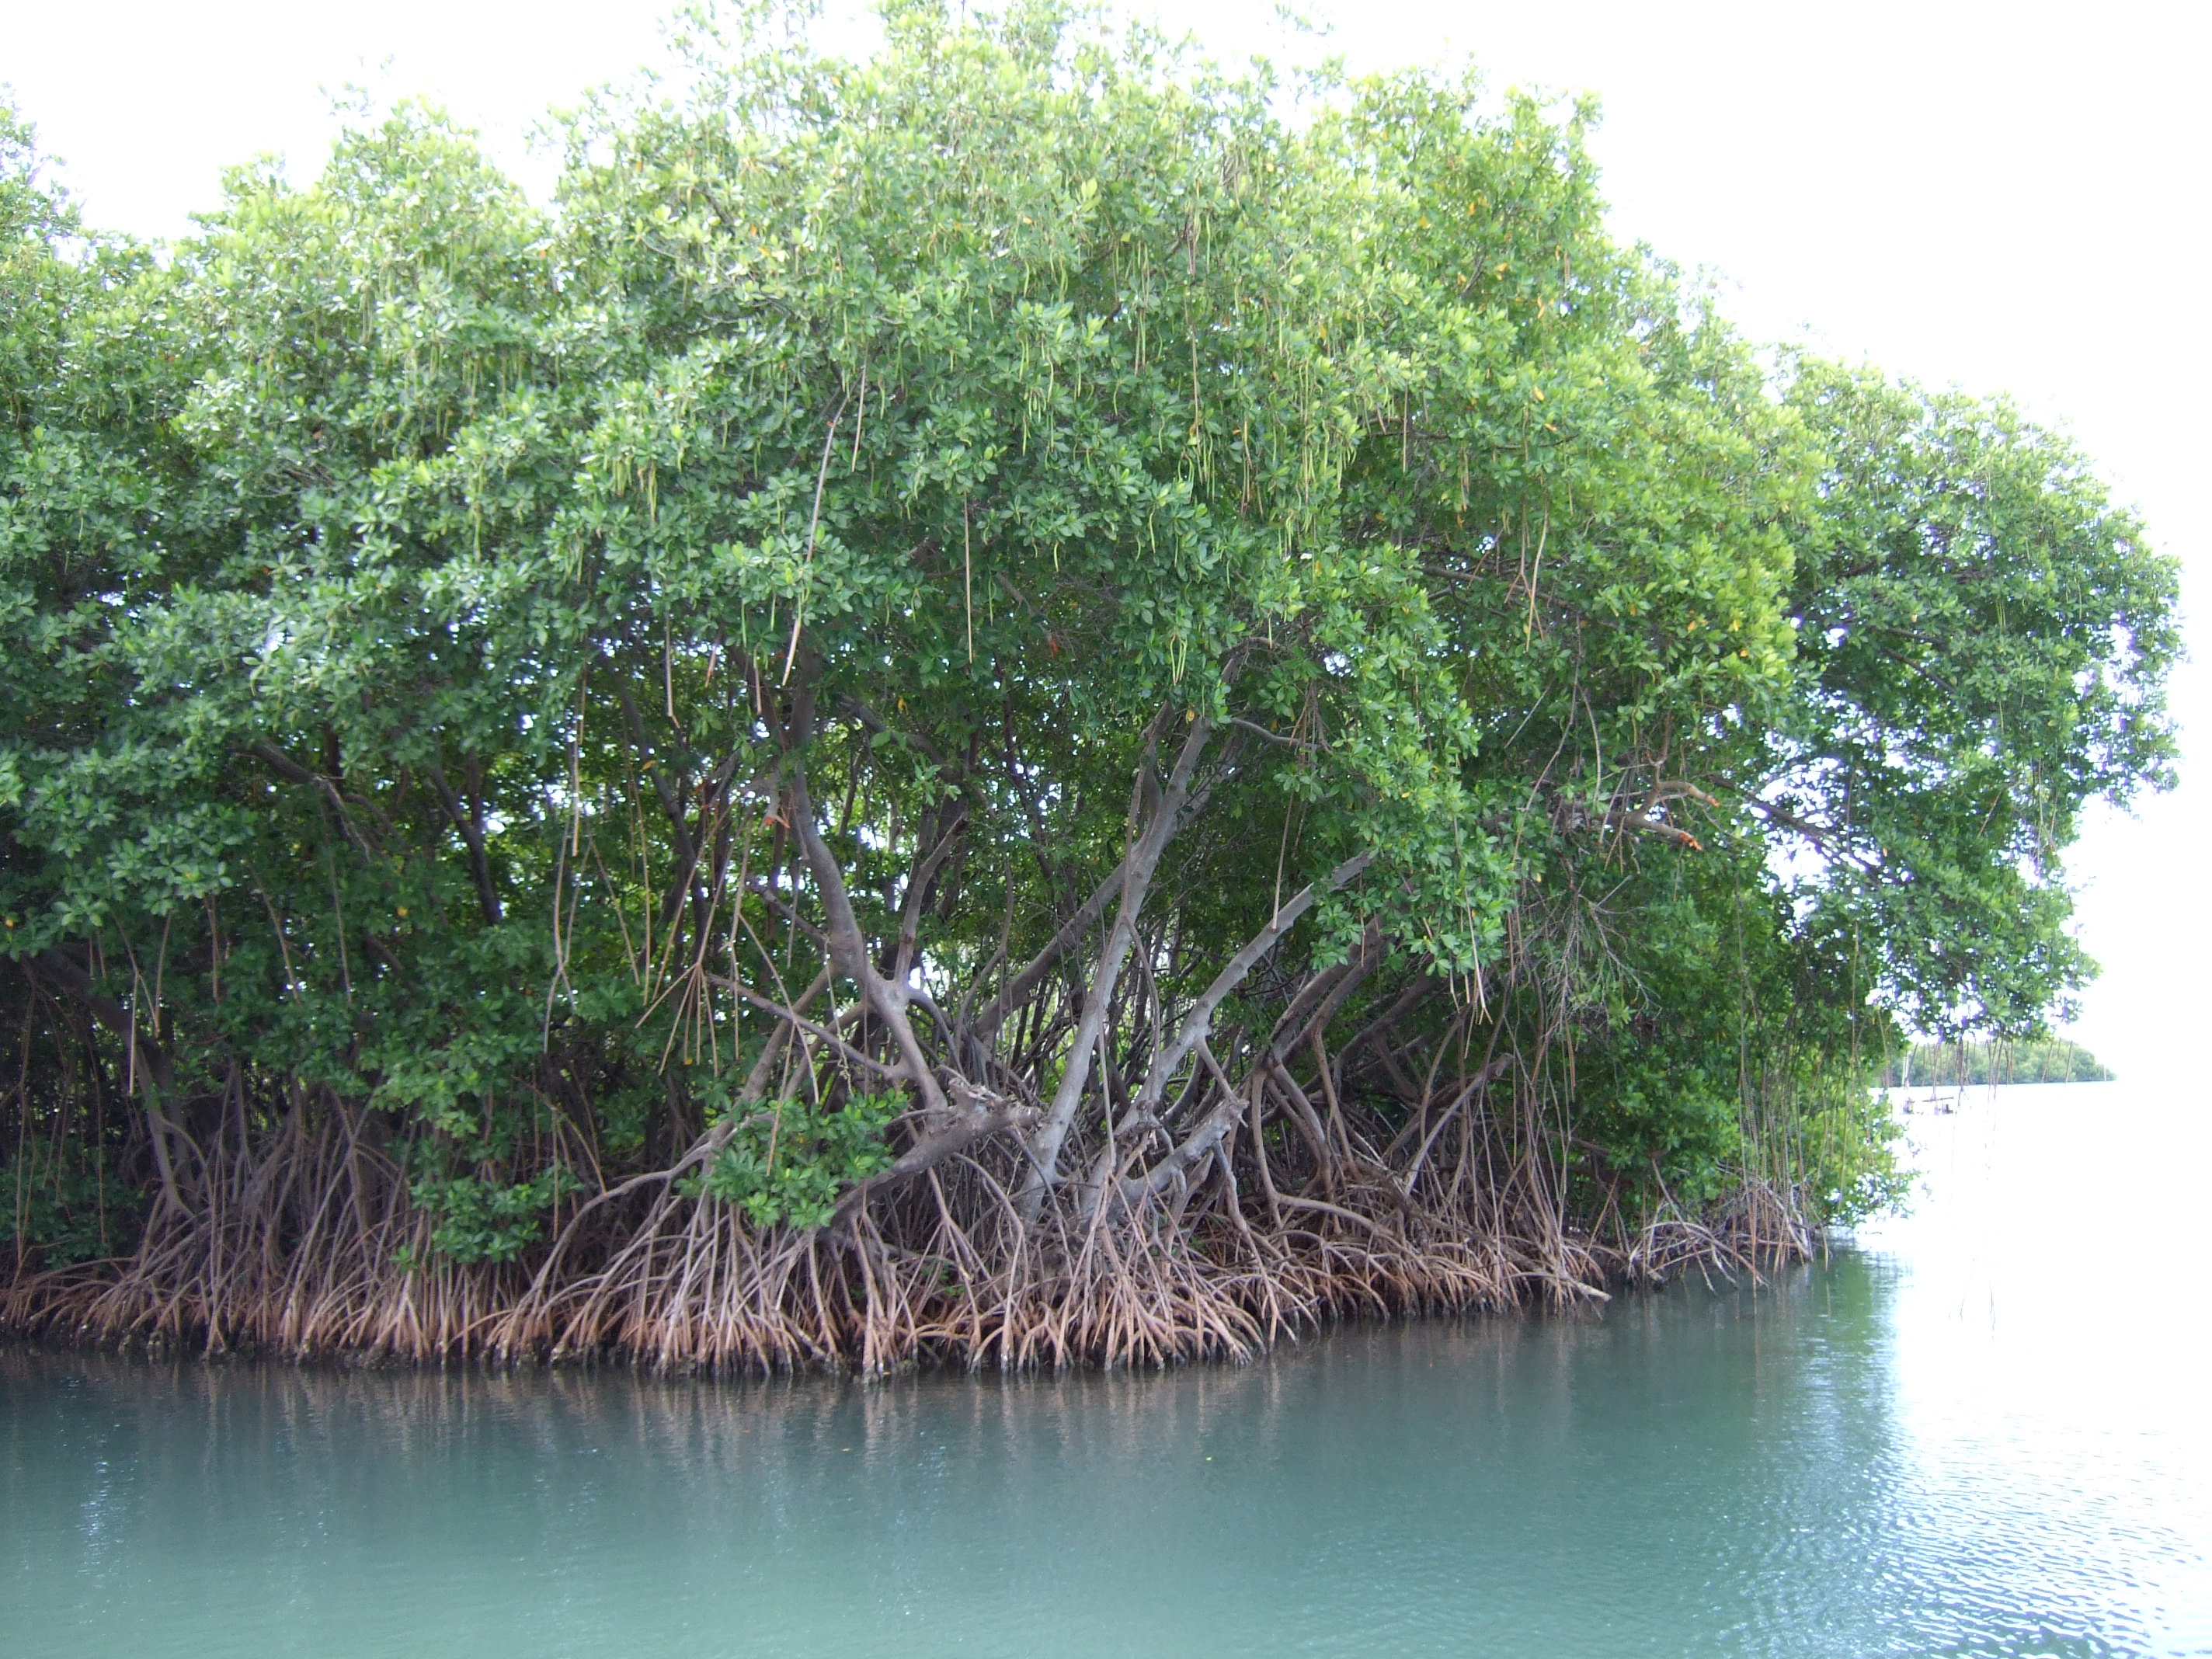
point(1983, 1432)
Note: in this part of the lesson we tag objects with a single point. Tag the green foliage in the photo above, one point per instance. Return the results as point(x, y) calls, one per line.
point(788, 1165)
point(67, 1208)
point(415, 606)
point(1983, 644)
point(1849, 1159)
point(476, 1220)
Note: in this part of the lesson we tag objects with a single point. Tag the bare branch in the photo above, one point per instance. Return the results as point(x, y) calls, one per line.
point(1271, 737)
point(821, 1033)
point(1169, 1060)
point(848, 947)
point(1137, 867)
point(934, 1149)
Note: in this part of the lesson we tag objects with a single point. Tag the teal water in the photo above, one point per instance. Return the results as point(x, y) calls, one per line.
point(1979, 1433)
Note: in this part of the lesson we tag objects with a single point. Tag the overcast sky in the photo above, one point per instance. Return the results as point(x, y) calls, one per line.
point(2003, 196)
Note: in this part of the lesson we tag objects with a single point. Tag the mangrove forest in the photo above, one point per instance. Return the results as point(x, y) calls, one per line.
point(1024, 700)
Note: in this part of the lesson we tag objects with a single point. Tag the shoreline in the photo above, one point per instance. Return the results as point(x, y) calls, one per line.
point(847, 1302)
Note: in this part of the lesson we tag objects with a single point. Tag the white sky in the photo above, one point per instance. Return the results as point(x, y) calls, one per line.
point(2003, 196)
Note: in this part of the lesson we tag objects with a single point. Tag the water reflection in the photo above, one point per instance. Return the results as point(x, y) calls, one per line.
point(1843, 1462)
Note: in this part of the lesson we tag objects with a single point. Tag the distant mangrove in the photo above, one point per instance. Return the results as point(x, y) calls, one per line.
point(1945, 1065)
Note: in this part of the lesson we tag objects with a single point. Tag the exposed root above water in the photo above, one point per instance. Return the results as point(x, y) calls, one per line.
point(326, 1258)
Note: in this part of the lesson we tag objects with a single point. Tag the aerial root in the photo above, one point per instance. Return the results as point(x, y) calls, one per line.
point(313, 1250)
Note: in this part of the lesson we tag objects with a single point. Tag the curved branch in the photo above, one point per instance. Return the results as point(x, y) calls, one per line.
point(819, 1032)
point(932, 1150)
point(472, 837)
point(1136, 868)
point(848, 947)
point(289, 770)
point(1170, 1059)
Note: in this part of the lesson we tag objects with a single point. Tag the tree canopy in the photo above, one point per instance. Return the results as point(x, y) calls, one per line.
point(1023, 639)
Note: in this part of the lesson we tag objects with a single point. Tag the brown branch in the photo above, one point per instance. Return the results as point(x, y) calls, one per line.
point(289, 770)
point(926, 867)
point(1271, 737)
point(755, 1083)
point(155, 1059)
point(821, 1033)
point(1018, 988)
point(1652, 826)
point(934, 1149)
point(1201, 1142)
point(1136, 868)
point(152, 1065)
point(1169, 1060)
point(848, 946)
point(1191, 1036)
point(1415, 993)
point(470, 826)
point(1318, 1001)
point(670, 790)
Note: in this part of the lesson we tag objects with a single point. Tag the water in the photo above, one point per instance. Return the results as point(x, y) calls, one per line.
point(1983, 1432)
